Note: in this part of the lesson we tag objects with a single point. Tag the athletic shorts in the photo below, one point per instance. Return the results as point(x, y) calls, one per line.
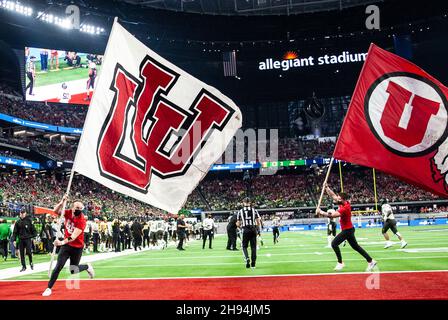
point(390, 224)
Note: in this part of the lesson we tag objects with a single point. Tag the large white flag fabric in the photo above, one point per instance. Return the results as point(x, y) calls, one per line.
point(152, 131)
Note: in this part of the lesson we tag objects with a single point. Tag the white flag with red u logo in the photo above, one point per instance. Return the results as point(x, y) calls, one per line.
point(397, 122)
point(152, 131)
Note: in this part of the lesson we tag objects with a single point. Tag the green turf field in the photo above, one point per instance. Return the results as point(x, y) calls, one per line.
point(65, 73)
point(297, 252)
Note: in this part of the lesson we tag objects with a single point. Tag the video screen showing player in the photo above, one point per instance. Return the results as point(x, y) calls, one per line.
point(60, 76)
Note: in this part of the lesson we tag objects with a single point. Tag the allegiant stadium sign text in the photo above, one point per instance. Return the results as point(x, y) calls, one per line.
point(285, 65)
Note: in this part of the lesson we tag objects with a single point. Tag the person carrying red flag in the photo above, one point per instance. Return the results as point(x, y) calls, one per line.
point(348, 230)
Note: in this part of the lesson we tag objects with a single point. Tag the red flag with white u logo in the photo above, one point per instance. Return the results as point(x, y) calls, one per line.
point(397, 122)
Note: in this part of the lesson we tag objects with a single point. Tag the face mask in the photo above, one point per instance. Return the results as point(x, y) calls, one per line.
point(77, 212)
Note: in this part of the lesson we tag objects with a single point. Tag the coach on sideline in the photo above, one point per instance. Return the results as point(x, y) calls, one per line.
point(26, 231)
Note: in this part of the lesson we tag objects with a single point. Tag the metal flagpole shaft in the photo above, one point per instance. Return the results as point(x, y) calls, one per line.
point(374, 189)
point(70, 180)
point(325, 182)
point(340, 176)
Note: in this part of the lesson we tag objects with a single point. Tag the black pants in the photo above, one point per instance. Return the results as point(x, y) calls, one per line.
point(276, 233)
point(128, 241)
point(4, 247)
point(145, 239)
point(181, 237)
point(96, 238)
point(25, 244)
point(349, 235)
point(250, 237)
point(30, 84)
point(331, 229)
point(231, 238)
point(209, 234)
point(86, 241)
point(116, 242)
point(137, 241)
point(67, 252)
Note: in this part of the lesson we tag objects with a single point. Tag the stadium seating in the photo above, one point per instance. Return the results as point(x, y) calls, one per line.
point(278, 191)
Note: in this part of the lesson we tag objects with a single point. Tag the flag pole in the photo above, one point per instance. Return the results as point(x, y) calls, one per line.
point(325, 182)
point(374, 189)
point(340, 176)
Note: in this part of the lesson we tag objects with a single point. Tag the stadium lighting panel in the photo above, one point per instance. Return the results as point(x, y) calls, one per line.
point(50, 18)
point(16, 7)
point(60, 21)
point(65, 23)
point(91, 29)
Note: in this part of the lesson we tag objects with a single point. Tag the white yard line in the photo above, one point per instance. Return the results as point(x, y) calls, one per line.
point(260, 262)
point(197, 264)
point(263, 253)
point(251, 276)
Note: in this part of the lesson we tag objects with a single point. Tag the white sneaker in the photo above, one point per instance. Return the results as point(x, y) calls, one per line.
point(371, 265)
point(328, 246)
point(403, 244)
point(90, 271)
point(388, 244)
point(339, 266)
point(46, 293)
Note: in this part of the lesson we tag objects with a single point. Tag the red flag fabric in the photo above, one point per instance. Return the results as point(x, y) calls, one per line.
point(41, 210)
point(397, 122)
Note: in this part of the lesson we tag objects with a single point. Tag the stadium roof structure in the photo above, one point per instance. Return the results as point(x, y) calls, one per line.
point(251, 7)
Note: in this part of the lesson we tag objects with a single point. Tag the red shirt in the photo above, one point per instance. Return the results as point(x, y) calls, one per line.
point(72, 222)
point(345, 220)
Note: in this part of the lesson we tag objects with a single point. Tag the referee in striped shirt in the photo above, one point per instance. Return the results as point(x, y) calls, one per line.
point(249, 220)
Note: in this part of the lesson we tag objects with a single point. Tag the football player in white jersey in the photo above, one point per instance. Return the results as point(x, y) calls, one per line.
point(390, 223)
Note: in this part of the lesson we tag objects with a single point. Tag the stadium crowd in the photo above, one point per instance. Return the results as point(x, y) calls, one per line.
point(10, 154)
point(278, 191)
point(46, 190)
point(54, 114)
point(7, 90)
